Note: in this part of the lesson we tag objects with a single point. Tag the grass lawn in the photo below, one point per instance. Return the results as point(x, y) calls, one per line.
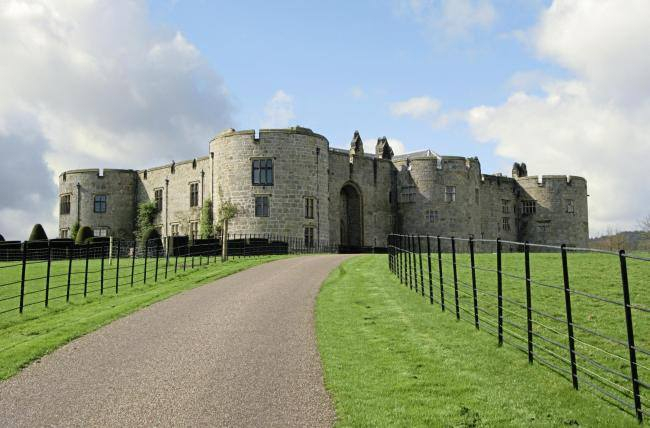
point(392, 359)
point(40, 330)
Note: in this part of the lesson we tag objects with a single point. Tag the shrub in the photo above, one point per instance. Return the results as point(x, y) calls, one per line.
point(74, 230)
point(144, 224)
point(151, 238)
point(84, 235)
point(2, 238)
point(38, 233)
point(206, 227)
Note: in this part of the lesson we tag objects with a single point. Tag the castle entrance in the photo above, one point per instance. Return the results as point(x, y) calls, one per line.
point(351, 220)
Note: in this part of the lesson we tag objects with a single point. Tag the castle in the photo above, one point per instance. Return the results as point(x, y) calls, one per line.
point(290, 182)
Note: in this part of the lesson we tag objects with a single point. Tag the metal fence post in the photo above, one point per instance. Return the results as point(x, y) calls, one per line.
point(474, 290)
point(453, 258)
point(529, 302)
point(146, 256)
point(409, 275)
point(429, 267)
point(167, 258)
point(421, 274)
point(47, 275)
point(630, 337)
point(22, 278)
point(569, 317)
point(135, 250)
point(442, 286)
point(101, 271)
point(67, 289)
point(499, 294)
point(117, 267)
point(86, 271)
point(157, 249)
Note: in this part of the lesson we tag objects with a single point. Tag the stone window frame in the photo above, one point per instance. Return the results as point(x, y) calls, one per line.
point(432, 216)
point(407, 194)
point(66, 205)
point(194, 194)
point(528, 207)
point(570, 206)
point(505, 206)
point(101, 231)
point(450, 193)
point(64, 233)
point(99, 205)
point(309, 236)
point(158, 201)
point(505, 224)
point(262, 212)
point(262, 167)
point(310, 203)
point(543, 227)
point(193, 229)
point(175, 229)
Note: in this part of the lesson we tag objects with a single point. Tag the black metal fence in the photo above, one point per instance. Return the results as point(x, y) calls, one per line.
point(583, 313)
point(43, 272)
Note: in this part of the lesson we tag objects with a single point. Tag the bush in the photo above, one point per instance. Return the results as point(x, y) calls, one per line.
point(38, 233)
point(84, 235)
point(2, 238)
point(207, 224)
point(144, 222)
point(151, 235)
point(74, 230)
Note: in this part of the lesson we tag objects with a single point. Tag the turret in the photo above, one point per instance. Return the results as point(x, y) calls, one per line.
point(356, 145)
point(383, 149)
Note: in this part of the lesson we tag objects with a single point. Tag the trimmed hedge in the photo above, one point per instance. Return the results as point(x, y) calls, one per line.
point(85, 233)
point(38, 233)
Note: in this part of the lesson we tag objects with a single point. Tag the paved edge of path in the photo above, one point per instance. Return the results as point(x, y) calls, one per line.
point(240, 351)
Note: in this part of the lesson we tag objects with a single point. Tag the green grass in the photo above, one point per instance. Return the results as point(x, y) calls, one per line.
point(25, 338)
point(392, 359)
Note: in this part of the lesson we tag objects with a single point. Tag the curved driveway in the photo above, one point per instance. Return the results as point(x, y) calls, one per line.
point(238, 352)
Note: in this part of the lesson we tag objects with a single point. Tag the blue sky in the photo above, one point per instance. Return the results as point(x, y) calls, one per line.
point(560, 84)
point(345, 63)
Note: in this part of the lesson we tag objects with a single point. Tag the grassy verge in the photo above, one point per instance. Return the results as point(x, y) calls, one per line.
point(390, 359)
point(41, 330)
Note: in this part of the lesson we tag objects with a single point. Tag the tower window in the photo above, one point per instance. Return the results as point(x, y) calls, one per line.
point(262, 172)
point(570, 207)
point(261, 206)
point(100, 204)
point(505, 224)
point(158, 198)
point(408, 194)
point(65, 204)
point(528, 207)
point(309, 207)
point(505, 206)
point(450, 193)
point(194, 194)
point(432, 216)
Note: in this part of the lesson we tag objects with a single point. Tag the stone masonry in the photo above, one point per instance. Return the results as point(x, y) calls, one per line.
point(356, 198)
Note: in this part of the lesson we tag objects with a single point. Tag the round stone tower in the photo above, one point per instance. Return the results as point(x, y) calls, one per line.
point(560, 213)
point(103, 200)
point(278, 181)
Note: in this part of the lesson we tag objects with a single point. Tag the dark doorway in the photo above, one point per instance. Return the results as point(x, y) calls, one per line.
point(351, 223)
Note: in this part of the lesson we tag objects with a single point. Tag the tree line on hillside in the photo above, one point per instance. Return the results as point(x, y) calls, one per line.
point(637, 240)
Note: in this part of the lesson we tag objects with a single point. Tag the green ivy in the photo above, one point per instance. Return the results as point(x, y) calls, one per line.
point(144, 222)
point(207, 222)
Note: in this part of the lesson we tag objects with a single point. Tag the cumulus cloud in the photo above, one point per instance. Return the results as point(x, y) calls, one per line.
point(94, 84)
point(451, 18)
point(278, 112)
point(595, 124)
point(416, 107)
point(357, 92)
point(394, 143)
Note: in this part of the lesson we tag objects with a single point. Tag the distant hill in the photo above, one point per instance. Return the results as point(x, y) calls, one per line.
point(636, 240)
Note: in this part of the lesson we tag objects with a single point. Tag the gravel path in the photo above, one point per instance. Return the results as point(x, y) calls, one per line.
point(238, 352)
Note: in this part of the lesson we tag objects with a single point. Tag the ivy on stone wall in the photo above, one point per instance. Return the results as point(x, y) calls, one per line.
point(144, 222)
point(74, 230)
point(207, 222)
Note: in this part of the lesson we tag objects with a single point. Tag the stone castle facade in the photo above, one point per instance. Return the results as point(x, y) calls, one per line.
point(290, 182)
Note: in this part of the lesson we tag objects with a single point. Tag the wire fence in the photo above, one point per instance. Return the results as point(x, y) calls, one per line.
point(47, 274)
point(582, 313)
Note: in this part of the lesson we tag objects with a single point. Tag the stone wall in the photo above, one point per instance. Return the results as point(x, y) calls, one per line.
point(119, 186)
point(300, 164)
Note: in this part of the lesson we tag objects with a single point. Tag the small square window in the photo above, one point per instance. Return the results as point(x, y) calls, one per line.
point(175, 231)
point(408, 194)
point(528, 207)
point(505, 224)
point(450, 193)
point(432, 216)
point(262, 172)
point(100, 232)
point(100, 204)
point(64, 233)
point(261, 206)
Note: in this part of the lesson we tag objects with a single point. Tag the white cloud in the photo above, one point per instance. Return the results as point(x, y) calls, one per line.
point(416, 107)
point(395, 144)
point(278, 112)
point(597, 123)
point(451, 18)
point(94, 84)
point(357, 92)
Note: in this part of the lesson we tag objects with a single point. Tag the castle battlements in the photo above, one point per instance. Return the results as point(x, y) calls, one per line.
point(291, 182)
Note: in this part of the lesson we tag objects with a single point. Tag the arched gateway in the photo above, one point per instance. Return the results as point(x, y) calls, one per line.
point(351, 217)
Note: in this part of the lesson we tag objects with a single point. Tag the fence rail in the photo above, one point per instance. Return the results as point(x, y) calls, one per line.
point(582, 313)
point(40, 276)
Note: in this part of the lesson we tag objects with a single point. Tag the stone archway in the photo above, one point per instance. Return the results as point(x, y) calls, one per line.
point(351, 216)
